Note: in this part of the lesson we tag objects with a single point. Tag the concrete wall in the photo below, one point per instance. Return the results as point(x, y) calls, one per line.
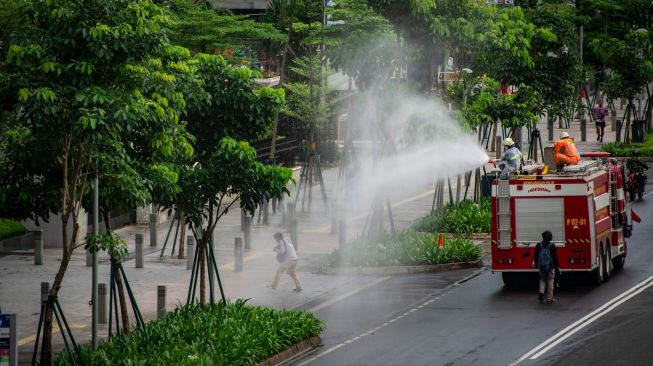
point(52, 229)
point(240, 4)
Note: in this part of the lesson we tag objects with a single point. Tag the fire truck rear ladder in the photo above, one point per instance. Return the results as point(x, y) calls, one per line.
point(504, 216)
point(613, 201)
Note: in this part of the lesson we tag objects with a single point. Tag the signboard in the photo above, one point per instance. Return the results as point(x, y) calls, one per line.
point(8, 344)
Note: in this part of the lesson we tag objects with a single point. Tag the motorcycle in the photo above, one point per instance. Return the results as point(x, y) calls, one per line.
point(635, 185)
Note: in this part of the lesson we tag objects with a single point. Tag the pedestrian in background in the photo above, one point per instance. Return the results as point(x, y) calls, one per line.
point(599, 112)
point(546, 261)
point(287, 258)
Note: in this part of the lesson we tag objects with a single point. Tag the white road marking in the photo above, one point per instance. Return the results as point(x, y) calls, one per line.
point(346, 295)
point(588, 319)
point(370, 332)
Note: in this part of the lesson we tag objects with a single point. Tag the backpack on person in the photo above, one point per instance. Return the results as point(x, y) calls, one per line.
point(544, 258)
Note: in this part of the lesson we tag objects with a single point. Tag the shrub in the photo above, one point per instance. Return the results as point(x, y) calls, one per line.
point(621, 149)
point(464, 217)
point(235, 334)
point(407, 248)
point(9, 228)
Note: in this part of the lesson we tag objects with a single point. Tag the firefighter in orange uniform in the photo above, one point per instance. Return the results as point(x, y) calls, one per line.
point(565, 152)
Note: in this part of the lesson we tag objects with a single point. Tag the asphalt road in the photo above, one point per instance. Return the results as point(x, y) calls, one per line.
point(423, 320)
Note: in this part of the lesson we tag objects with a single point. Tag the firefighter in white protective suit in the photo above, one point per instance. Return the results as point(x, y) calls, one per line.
point(510, 160)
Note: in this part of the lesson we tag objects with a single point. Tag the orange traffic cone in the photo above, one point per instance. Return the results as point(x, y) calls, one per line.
point(440, 240)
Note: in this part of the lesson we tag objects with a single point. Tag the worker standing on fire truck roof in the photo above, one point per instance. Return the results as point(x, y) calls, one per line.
point(565, 152)
point(511, 159)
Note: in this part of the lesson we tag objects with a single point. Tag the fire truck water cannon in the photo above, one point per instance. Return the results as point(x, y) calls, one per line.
point(584, 206)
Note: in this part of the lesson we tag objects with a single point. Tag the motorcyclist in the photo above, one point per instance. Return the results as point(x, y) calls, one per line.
point(635, 164)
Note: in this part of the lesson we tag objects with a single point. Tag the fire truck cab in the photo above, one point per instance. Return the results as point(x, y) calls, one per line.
point(583, 206)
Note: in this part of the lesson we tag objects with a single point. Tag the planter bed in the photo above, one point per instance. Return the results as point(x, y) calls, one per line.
point(398, 270)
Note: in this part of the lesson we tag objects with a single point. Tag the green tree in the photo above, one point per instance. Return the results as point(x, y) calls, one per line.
point(201, 28)
point(632, 69)
point(91, 85)
point(361, 43)
point(223, 170)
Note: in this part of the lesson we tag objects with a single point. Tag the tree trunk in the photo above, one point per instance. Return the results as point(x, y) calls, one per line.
point(202, 254)
point(626, 124)
point(182, 232)
point(118, 278)
point(124, 315)
point(46, 346)
point(419, 72)
point(493, 136)
point(282, 78)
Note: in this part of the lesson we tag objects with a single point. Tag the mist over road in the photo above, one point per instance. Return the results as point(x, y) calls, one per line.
point(432, 319)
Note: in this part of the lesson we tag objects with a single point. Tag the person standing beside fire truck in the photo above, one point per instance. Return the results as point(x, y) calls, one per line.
point(565, 152)
point(510, 160)
point(548, 266)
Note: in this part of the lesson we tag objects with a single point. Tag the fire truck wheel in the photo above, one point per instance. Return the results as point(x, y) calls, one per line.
point(598, 273)
point(607, 262)
point(632, 194)
point(619, 262)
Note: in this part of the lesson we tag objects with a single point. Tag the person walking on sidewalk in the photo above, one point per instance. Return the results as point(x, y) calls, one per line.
point(287, 258)
point(599, 112)
point(546, 261)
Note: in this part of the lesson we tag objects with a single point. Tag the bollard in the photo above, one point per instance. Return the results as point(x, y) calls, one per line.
point(275, 202)
point(619, 125)
point(290, 212)
point(38, 247)
point(248, 233)
point(160, 301)
point(154, 226)
point(342, 234)
point(583, 129)
point(139, 251)
point(190, 251)
point(45, 289)
point(238, 254)
point(613, 120)
point(293, 233)
point(549, 126)
point(498, 147)
point(102, 303)
point(242, 219)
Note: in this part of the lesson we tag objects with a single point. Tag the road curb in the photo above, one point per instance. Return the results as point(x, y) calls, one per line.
point(291, 352)
point(398, 270)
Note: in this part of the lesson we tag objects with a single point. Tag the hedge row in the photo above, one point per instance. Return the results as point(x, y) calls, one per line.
point(233, 334)
point(405, 248)
point(9, 228)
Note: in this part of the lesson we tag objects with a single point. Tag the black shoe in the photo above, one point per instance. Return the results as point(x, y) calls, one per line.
point(540, 298)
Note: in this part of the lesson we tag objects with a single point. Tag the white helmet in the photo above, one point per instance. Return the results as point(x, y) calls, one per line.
point(564, 135)
point(508, 142)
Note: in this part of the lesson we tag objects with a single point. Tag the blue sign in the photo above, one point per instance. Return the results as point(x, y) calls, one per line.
point(8, 347)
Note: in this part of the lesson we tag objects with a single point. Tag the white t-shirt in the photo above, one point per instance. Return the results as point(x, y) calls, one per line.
point(288, 249)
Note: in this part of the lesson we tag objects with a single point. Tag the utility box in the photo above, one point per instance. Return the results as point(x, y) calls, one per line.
point(8, 342)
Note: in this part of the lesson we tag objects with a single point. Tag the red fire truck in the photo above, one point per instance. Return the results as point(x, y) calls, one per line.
point(583, 206)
